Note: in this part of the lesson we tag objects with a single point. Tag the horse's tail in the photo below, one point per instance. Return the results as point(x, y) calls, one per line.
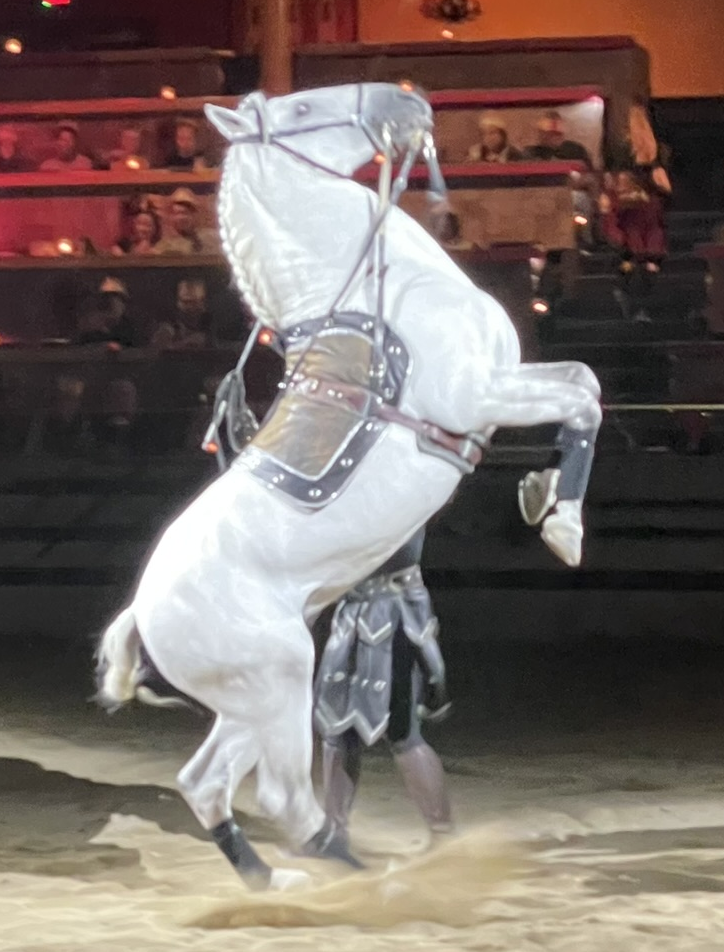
point(122, 668)
point(119, 663)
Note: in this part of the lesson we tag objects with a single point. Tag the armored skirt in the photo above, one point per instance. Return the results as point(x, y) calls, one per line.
point(382, 668)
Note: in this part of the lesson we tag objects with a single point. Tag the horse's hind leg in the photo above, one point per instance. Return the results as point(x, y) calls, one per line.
point(208, 783)
point(568, 394)
point(284, 770)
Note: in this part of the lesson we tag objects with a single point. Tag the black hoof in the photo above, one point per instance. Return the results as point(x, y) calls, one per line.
point(242, 855)
point(331, 843)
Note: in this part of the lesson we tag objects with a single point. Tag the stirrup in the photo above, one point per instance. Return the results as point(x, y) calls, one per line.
point(537, 495)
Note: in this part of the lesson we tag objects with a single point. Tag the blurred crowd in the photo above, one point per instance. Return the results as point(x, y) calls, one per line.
point(65, 150)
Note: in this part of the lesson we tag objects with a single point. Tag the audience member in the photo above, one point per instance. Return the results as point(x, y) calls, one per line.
point(106, 318)
point(144, 234)
point(553, 145)
point(11, 159)
point(190, 326)
point(186, 238)
point(632, 203)
point(494, 145)
point(186, 155)
point(67, 156)
point(128, 154)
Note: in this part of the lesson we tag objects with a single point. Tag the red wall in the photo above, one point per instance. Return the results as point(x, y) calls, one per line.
point(683, 37)
point(176, 22)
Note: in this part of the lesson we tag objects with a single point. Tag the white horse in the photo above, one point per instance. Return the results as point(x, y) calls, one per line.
point(224, 603)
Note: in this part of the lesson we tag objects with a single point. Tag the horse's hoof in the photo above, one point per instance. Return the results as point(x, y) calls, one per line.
point(562, 532)
point(283, 880)
point(331, 843)
point(256, 880)
point(537, 495)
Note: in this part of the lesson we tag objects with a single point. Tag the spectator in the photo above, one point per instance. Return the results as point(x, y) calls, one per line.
point(107, 320)
point(11, 159)
point(186, 155)
point(190, 325)
point(553, 144)
point(103, 409)
point(67, 157)
point(129, 154)
point(145, 234)
point(186, 237)
point(632, 203)
point(493, 145)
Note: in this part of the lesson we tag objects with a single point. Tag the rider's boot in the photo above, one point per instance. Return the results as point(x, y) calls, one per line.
point(424, 779)
point(341, 767)
point(330, 842)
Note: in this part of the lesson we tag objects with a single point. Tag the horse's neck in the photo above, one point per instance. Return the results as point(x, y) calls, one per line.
point(293, 234)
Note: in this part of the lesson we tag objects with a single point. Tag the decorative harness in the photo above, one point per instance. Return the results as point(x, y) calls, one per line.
point(375, 402)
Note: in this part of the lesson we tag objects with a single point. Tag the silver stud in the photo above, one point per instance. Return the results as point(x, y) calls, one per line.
point(389, 393)
point(369, 426)
point(379, 686)
point(367, 326)
point(315, 493)
point(331, 393)
point(346, 462)
point(354, 679)
point(365, 682)
point(338, 676)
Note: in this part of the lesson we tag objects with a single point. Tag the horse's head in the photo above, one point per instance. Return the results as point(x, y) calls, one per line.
point(338, 128)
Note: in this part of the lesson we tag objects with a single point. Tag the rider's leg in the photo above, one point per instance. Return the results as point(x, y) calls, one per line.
point(342, 757)
point(420, 767)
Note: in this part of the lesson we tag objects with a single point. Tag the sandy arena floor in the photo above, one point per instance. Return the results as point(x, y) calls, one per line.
point(605, 835)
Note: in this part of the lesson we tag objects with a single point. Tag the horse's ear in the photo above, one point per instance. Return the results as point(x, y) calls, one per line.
point(229, 123)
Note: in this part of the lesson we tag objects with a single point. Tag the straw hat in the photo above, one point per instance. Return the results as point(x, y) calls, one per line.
point(67, 125)
point(111, 285)
point(184, 196)
point(491, 120)
point(551, 122)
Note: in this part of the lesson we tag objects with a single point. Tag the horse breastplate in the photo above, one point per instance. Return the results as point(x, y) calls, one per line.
point(323, 424)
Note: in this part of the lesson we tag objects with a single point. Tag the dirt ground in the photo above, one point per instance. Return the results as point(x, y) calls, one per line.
point(587, 782)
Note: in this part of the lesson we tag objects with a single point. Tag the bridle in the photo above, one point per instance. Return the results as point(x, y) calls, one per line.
point(231, 393)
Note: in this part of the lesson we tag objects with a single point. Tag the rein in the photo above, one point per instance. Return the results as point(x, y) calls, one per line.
point(463, 451)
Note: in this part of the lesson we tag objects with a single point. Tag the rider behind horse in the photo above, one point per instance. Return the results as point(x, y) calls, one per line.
point(380, 672)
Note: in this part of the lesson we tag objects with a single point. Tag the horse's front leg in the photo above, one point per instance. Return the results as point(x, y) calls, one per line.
point(568, 394)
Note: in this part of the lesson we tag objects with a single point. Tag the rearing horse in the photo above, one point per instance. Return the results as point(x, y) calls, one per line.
point(398, 368)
